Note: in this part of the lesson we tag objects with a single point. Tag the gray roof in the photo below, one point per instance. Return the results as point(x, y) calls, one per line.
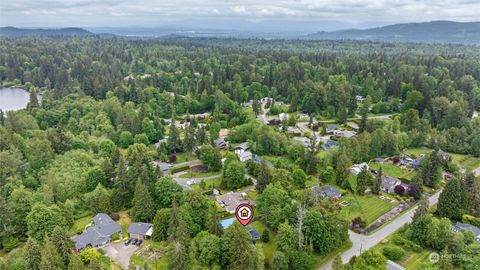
point(462, 226)
point(389, 182)
point(220, 142)
point(139, 228)
point(331, 128)
point(99, 234)
point(394, 266)
point(105, 224)
point(254, 234)
point(243, 146)
point(329, 144)
point(327, 191)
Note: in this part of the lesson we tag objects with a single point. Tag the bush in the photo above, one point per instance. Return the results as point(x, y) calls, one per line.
point(179, 169)
point(393, 253)
point(115, 237)
point(266, 236)
point(101, 250)
point(115, 216)
point(400, 190)
point(172, 158)
point(10, 243)
point(406, 243)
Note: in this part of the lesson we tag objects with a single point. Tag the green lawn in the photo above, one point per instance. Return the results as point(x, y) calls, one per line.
point(417, 151)
point(153, 254)
point(368, 207)
point(182, 157)
point(209, 184)
point(389, 169)
point(464, 161)
point(416, 259)
point(191, 174)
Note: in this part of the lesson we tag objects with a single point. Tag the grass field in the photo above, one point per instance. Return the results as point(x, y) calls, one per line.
point(416, 259)
point(389, 169)
point(463, 161)
point(368, 207)
point(211, 183)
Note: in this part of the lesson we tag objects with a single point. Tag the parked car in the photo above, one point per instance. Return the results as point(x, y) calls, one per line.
point(134, 242)
point(139, 242)
point(128, 242)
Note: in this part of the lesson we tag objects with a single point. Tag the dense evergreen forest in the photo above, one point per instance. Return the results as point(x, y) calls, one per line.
point(112, 106)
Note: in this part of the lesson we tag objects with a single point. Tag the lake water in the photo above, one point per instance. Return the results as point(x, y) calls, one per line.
point(12, 98)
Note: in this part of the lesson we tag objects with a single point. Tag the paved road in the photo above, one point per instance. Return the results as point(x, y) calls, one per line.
point(183, 181)
point(361, 242)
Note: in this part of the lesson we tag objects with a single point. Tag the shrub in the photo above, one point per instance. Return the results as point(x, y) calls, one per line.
point(115, 237)
point(10, 243)
point(172, 158)
point(399, 190)
point(266, 236)
point(115, 216)
point(179, 169)
point(393, 253)
point(101, 250)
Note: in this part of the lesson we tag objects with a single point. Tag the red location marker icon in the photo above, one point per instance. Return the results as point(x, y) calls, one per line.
point(244, 213)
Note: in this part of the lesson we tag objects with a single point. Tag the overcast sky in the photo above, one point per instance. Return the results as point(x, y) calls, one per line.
point(326, 14)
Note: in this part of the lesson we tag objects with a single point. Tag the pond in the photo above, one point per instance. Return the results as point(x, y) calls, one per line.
point(13, 98)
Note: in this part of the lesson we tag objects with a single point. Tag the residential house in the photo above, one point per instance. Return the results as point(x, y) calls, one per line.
point(444, 155)
point(331, 128)
point(359, 98)
point(264, 100)
point(329, 145)
point(220, 143)
point(140, 230)
point(416, 163)
point(357, 168)
point(257, 160)
point(164, 167)
point(245, 156)
point(231, 200)
point(388, 183)
point(241, 148)
point(254, 234)
point(293, 131)
point(326, 191)
point(98, 235)
point(248, 103)
point(344, 133)
point(463, 226)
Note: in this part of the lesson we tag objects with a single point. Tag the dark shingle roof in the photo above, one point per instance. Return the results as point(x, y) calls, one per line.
point(105, 224)
point(327, 191)
point(139, 228)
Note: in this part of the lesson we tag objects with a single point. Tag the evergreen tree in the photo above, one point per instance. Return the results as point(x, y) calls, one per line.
point(279, 261)
point(178, 256)
point(214, 226)
point(264, 176)
point(160, 223)
point(445, 262)
point(63, 244)
point(364, 178)
point(76, 263)
point(421, 210)
point(364, 114)
point(143, 207)
point(240, 251)
point(453, 200)
point(377, 181)
point(189, 141)
point(51, 260)
point(173, 141)
point(33, 103)
point(33, 255)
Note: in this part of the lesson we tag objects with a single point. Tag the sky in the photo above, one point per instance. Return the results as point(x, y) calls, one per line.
point(288, 15)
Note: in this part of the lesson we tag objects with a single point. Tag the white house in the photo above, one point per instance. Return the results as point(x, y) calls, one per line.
point(241, 148)
point(357, 168)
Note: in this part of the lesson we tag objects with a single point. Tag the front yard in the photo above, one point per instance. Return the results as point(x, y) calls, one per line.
point(368, 207)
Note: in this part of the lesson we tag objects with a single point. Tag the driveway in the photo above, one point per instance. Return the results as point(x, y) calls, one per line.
point(187, 182)
point(361, 242)
point(120, 253)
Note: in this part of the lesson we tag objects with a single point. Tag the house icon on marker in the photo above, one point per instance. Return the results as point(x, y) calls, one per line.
point(244, 213)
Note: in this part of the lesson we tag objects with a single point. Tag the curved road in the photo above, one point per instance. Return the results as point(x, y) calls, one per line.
point(362, 242)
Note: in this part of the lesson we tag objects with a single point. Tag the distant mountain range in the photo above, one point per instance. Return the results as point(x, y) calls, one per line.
point(37, 32)
point(436, 31)
point(428, 32)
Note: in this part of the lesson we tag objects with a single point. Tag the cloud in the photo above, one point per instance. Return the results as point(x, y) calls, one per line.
point(138, 12)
